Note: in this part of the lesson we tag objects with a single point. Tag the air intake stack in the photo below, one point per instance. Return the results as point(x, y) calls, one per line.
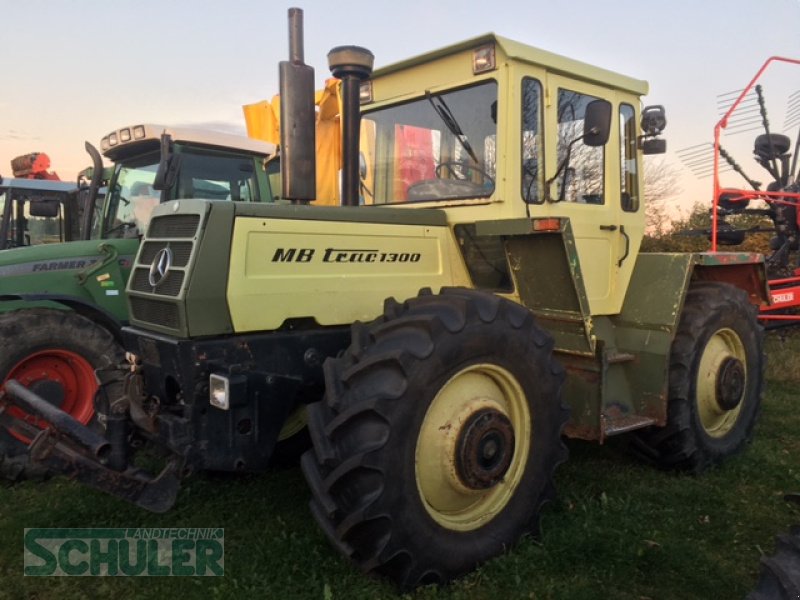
point(351, 64)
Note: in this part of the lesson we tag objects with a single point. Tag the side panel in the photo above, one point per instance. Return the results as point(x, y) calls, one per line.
point(637, 388)
point(335, 273)
point(549, 280)
point(92, 271)
point(624, 386)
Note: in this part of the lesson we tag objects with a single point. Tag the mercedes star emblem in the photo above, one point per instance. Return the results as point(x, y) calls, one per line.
point(160, 267)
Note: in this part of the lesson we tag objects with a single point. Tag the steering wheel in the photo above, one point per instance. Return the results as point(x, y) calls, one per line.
point(456, 169)
point(459, 186)
point(122, 226)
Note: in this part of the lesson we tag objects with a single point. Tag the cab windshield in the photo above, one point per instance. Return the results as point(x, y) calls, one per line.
point(439, 147)
point(131, 197)
point(202, 174)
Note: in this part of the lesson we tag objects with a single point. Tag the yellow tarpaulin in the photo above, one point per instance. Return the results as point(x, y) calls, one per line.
point(262, 120)
point(263, 123)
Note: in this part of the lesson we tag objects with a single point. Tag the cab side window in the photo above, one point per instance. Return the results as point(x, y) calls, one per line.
point(531, 141)
point(217, 177)
point(628, 160)
point(581, 167)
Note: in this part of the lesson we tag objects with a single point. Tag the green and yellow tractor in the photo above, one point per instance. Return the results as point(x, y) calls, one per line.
point(479, 295)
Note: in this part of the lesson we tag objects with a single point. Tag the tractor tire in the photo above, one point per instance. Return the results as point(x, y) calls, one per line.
point(780, 572)
point(54, 353)
point(436, 443)
point(715, 380)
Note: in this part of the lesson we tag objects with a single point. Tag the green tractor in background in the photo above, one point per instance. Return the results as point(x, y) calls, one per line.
point(36, 207)
point(479, 294)
point(62, 305)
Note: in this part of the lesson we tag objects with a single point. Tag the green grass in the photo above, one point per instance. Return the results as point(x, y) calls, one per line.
point(619, 529)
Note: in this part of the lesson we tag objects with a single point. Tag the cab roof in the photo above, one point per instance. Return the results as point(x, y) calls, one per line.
point(36, 185)
point(517, 51)
point(202, 137)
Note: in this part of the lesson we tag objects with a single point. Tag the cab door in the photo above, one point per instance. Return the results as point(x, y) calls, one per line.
point(584, 185)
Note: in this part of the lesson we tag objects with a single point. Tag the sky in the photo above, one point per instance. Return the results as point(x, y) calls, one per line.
point(75, 70)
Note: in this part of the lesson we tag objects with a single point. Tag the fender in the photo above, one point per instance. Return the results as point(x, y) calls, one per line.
point(82, 306)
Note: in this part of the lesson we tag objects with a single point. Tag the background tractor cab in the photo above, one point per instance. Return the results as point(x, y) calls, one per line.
point(155, 163)
point(36, 207)
point(38, 211)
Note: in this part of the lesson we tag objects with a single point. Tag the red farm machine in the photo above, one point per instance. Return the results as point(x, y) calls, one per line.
point(777, 201)
point(33, 165)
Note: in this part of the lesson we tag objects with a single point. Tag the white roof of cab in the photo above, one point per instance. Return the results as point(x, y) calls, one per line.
point(204, 137)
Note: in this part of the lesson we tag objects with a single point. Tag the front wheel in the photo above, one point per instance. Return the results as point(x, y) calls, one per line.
point(54, 353)
point(715, 380)
point(435, 446)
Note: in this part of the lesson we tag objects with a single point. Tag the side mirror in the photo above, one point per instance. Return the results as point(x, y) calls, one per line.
point(168, 166)
point(654, 146)
point(597, 123)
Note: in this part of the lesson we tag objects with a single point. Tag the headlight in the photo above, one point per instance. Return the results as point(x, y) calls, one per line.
point(219, 391)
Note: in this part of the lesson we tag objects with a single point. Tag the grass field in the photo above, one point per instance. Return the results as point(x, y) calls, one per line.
point(618, 529)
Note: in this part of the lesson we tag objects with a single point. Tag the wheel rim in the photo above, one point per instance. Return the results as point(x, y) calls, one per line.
point(63, 378)
point(473, 447)
point(721, 382)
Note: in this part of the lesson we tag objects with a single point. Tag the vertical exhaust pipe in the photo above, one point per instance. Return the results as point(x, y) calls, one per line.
point(298, 151)
point(94, 189)
point(351, 64)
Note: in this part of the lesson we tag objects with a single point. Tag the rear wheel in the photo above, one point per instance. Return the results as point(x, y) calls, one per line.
point(54, 353)
point(780, 572)
point(435, 446)
point(715, 380)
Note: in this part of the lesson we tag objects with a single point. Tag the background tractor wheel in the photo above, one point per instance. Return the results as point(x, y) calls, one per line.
point(435, 446)
point(54, 353)
point(780, 572)
point(715, 378)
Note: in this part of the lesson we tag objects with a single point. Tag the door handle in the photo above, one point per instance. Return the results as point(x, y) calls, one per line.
point(626, 238)
point(627, 245)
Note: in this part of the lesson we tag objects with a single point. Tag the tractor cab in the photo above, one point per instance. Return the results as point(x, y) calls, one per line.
point(497, 133)
point(154, 164)
point(38, 211)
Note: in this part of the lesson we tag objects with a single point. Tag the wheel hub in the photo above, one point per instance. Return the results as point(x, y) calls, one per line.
point(485, 448)
point(63, 378)
point(730, 383)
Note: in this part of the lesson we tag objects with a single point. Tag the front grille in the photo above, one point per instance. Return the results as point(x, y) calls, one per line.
point(169, 286)
point(173, 226)
point(156, 312)
point(181, 252)
point(161, 306)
